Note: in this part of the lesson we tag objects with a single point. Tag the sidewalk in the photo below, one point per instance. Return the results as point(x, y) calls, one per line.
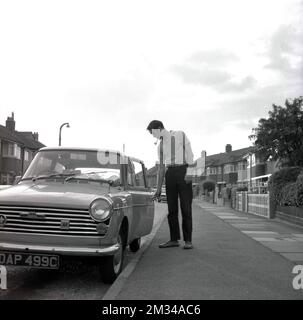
point(236, 256)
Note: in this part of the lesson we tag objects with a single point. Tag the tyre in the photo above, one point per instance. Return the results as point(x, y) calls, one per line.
point(112, 265)
point(134, 246)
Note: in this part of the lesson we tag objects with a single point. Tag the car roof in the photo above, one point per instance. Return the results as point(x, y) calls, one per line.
point(90, 149)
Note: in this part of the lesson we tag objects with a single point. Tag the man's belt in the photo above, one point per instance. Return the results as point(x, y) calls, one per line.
point(176, 165)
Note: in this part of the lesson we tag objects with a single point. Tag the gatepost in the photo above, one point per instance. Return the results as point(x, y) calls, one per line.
point(272, 206)
point(246, 197)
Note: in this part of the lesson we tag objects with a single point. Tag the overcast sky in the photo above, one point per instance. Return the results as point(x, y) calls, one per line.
point(209, 68)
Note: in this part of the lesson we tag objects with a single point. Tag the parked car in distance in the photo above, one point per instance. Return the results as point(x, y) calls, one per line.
point(80, 203)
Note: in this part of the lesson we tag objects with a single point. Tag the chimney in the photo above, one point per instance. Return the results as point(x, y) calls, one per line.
point(203, 154)
point(228, 148)
point(10, 123)
point(36, 136)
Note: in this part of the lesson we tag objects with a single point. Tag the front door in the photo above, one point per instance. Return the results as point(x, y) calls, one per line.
point(143, 205)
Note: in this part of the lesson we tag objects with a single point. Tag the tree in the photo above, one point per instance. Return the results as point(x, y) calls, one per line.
point(281, 135)
point(209, 185)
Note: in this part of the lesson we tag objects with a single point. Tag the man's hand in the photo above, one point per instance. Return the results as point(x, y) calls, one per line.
point(156, 195)
point(160, 178)
point(193, 165)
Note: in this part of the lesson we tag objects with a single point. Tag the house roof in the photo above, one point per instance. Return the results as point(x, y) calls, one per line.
point(227, 157)
point(30, 143)
point(152, 171)
point(23, 138)
point(7, 134)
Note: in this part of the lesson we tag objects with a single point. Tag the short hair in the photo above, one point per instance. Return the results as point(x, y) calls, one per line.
point(155, 124)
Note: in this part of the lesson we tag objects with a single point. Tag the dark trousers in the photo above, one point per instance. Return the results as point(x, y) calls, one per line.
point(177, 187)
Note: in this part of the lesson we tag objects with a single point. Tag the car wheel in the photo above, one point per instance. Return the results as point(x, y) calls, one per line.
point(134, 246)
point(112, 265)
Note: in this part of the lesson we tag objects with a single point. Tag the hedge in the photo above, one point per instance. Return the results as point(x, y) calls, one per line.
point(278, 184)
point(286, 186)
point(209, 186)
point(299, 186)
point(289, 195)
point(242, 189)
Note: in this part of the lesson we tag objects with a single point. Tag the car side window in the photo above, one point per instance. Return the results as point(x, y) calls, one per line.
point(139, 174)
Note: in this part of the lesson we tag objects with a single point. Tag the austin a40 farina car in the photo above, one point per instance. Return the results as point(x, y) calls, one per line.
point(79, 203)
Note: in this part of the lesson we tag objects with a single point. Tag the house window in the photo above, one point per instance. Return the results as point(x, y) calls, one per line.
point(26, 155)
point(242, 166)
point(213, 170)
point(11, 150)
point(228, 168)
point(18, 152)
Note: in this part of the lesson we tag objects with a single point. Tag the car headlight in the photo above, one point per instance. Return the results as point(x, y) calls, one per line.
point(100, 209)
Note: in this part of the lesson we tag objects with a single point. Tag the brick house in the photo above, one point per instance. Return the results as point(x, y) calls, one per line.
point(222, 168)
point(151, 176)
point(226, 168)
point(17, 150)
point(258, 171)
point(242, 168)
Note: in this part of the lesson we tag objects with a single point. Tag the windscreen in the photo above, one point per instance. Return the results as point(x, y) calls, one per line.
point(90, 164)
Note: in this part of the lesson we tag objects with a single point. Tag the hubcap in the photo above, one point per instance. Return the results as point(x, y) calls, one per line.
point(118, 256)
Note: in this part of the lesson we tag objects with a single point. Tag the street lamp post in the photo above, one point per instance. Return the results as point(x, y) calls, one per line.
point(250, 172)
point(62, 125)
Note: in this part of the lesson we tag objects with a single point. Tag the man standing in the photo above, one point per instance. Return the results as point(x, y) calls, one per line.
point(176, 159)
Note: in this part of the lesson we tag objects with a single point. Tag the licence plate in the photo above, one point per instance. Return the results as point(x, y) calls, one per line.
point(32, 260)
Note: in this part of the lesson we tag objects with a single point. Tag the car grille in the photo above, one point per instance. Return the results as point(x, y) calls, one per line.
point(51, 221)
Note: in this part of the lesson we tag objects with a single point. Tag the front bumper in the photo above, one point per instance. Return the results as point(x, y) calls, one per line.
point(68, 251)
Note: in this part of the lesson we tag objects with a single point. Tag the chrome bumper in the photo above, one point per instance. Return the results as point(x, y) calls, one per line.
point(73, 251)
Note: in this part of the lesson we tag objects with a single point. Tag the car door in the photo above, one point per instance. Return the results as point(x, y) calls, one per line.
point(143, 205)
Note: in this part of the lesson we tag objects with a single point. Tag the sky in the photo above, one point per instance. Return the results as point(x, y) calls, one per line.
point(210, 68)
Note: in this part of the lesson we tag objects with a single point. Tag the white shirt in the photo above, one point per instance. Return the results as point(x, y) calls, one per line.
point(176, 148)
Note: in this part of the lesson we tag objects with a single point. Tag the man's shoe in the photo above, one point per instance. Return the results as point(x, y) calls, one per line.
point(169, 244)
point(188, 245)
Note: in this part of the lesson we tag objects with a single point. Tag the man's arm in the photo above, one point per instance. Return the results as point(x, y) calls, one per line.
point(189, 155)
point(160, 178)
point(160, 173)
